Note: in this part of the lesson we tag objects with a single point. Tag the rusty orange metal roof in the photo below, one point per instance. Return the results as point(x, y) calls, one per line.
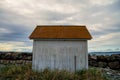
point(60, 32)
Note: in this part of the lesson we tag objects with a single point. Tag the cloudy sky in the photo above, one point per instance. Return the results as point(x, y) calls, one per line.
point(18, 18)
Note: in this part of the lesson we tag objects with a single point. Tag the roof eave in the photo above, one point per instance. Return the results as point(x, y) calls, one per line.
point(60, 38)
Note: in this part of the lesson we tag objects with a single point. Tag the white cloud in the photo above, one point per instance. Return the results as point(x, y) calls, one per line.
point(97, 27)
point(103, 42)
point(34, 6)
point(4, 31)
point(102, 2)
point(14, 46)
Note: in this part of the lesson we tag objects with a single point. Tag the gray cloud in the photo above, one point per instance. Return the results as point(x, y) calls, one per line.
point(19, 18)
point(115, 7)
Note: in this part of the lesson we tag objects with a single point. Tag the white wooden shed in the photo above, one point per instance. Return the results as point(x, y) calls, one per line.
point(62, 47)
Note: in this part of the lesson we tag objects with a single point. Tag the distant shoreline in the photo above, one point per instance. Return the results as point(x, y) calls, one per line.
point(91, 53)
point(104, 53)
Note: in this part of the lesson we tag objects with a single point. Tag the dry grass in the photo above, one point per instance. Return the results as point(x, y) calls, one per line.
point(24, 72)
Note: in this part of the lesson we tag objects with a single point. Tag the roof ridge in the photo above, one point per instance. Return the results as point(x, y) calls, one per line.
point(61, 25)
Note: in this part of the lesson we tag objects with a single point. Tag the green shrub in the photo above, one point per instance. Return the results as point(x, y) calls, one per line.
point(24, 72)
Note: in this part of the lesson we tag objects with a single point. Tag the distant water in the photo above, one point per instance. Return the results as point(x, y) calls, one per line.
point(104, 53)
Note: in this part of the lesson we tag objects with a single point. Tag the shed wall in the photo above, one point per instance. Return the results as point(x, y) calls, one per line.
point(68, 55)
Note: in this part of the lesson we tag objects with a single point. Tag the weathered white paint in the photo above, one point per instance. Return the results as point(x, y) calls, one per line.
point(60, 55)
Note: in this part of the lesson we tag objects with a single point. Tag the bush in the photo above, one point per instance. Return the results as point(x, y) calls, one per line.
point(24, 72)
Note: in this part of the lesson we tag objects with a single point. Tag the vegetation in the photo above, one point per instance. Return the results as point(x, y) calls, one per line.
point(24, 72)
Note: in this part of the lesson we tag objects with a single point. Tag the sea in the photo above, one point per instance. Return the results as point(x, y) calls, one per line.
point(104, 53)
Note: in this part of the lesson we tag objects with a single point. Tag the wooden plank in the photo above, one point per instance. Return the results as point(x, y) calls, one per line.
point(69, 55)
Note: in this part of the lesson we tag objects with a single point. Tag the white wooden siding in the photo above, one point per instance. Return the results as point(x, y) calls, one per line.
point(60, 55)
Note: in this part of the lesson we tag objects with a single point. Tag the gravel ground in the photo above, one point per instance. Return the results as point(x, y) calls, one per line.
point(111, 74)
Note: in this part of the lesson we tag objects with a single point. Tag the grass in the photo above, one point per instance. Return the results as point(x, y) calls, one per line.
point(24, 72)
